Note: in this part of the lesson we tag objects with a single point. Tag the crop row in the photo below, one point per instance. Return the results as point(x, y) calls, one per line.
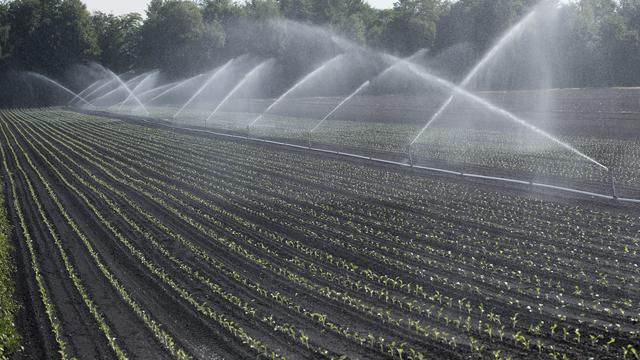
point(9, 337)
point(317, 259)
point(483, 146)
point(279, 298)
point(173, 284)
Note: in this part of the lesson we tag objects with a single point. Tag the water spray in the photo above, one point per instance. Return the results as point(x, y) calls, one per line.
point(95, 84)
point(155, 90)
point(293, 88)
point(175, 86)
point(510, 35)
point(204, 86)
point(64, 88)
point(246, 78)
point(105, 83)
point(126, 87)
point(490, 106)
point(153, 73)
point(360, 88)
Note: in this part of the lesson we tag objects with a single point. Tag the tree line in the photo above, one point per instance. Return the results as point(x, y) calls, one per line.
point(599, 38)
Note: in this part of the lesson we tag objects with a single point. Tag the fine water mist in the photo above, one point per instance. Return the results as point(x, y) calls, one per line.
point(352, 99)
point(58, 85)
point(213, 77)
point(245, 79)
point(485, 103)
point(294, 87)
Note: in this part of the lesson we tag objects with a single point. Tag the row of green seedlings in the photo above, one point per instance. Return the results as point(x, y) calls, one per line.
point(320, 316)
point(489, 330)
point(567, 165)
point(67, 114)
point(10, 341)
point(161, 335)
point(50, 309)
point(317, 314)
point(69, 267)
point(538, 281)
point(204, 309)
point(436, 331)
point(592, 335)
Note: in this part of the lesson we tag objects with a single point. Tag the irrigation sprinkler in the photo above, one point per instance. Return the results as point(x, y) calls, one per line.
point(410, 153)
point(309, 139)
point(614, 193)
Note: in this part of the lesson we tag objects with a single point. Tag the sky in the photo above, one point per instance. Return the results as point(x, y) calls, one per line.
point(119, 7)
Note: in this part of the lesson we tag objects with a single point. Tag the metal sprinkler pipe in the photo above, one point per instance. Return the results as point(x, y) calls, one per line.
point(309, 139)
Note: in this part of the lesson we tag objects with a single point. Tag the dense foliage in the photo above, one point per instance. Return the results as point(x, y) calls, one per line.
point(599, 38)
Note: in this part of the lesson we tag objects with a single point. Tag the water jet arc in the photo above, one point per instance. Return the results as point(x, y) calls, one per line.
point(105, 83)
point(246, 78)
point(204, 86)
point(293, 88)
point(175, 86)
point(489, 106)
point(64, 88)
point(364, 85)
point(515, 30)
point(124, 85)
point(154, 73)
point(96, 84)
point(396, 62)
point(151, 92)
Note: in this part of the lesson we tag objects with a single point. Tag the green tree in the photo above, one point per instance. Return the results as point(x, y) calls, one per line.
point(412, 25)
point(299, 10)
point(630, 11)
point(50, 36)
point(261, 10)
point(118, 38)
point(226, 12)
point(612, 38)
point(175, 38)
point(4, 30)
point(480, 22)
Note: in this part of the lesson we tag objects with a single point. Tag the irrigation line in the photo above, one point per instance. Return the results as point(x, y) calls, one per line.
point(167, 124)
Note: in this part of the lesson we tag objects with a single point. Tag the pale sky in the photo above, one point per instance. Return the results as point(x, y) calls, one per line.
point(119, 7)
